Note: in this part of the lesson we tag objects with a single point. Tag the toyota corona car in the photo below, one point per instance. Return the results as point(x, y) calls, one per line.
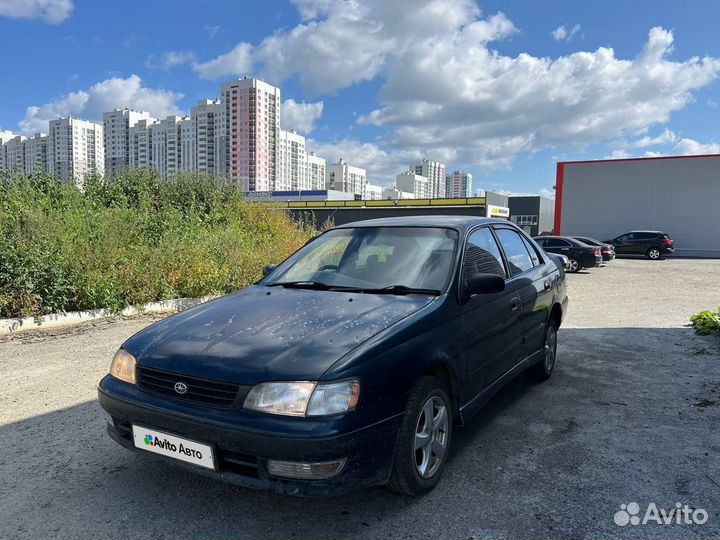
point(348, 364)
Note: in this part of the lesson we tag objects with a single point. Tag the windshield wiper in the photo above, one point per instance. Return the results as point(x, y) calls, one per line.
point(402, 289)
point(315, 285)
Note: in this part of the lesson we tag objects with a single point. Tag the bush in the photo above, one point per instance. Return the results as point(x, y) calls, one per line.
point(133, 240)
point(706, 322)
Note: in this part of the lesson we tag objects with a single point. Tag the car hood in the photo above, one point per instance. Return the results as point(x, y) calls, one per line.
point(264, 333)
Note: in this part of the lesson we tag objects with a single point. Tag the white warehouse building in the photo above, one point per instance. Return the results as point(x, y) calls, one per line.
point(678, 195)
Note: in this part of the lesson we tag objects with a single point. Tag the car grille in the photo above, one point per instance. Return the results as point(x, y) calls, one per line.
point(199, 390)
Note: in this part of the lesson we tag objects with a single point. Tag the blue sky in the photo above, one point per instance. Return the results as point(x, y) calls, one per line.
point(502, 89)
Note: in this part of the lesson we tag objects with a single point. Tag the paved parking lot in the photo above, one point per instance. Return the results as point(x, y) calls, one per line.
point(632, 414)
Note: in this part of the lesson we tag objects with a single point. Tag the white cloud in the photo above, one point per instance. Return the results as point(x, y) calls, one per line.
point(235, 63)
point(211, 30)
point(170, 59)
point(449, 95)
point(666, 137)
point(691, 146)
point(561, 33)
point(50, 11)
point(103, 96)
point(300, 116)
point(382, 166)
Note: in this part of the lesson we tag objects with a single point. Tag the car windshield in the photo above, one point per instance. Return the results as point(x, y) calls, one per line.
point(395, 259)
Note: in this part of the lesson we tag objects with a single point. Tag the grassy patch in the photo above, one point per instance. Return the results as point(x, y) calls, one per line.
point(702, 351)
point(136, 239)
point(706, 322)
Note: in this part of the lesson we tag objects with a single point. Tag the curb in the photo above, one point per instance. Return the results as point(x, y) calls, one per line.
point(55, 320)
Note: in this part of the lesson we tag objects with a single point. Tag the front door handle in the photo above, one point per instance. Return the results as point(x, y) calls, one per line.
point(547, 285)
point(514, 304)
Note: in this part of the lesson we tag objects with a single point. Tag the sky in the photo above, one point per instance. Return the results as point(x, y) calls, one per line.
point(501, 89)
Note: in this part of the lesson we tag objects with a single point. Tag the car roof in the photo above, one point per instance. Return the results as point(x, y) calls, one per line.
point(460, 223)
point(654, 232)
point(553, 236)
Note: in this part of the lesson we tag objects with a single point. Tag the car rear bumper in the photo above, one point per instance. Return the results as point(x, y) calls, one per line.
point(241, 456)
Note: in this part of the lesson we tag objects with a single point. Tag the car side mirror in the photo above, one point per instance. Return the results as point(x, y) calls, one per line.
point(268, 268)
point(484, 284)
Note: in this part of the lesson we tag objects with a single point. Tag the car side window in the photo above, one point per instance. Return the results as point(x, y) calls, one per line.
point(482, 255)
point(516, 253)
point(534, 255)
point(557, 242)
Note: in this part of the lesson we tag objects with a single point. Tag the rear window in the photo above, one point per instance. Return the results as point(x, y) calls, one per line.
point(646, 235)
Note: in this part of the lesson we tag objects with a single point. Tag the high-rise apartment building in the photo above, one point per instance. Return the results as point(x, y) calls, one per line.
point(207, 117)
point(140, 145)
point(252, 130)
point(14, 153)
point(434, 171)
point(458, 184)
point(315, 171)
point(292, 162)
point(74, 149)
point(417, 184)
point(116, 129)
point(342, 176)
point(36, 153)
point(166, 142)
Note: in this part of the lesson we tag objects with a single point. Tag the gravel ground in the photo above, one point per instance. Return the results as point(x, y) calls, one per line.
point(621, 421)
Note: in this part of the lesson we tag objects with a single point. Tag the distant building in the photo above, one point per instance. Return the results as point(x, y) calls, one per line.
point(36, 153)
point(316, 171)
point(74, 149)
point(14, 153)
point(373, 192)
point(206, 128)
point(458, 184)
point(292, 162)
point(342, 176)
point(166, 139)
point(140, 148)
point(417, 184)
point(396, 194)
point(534, 214)
point(116, 137)
point(252, 130)
point(434, 171)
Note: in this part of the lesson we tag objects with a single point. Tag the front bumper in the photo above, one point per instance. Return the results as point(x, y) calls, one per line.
point(608, 257)
point(242, 455)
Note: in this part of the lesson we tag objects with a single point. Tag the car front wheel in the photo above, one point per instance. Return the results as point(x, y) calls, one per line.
point(423, 440)
point(653, 253)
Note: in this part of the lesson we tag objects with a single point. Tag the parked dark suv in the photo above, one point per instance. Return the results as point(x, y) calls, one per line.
point(652, 244)
point(348, 364)
point(579, 254)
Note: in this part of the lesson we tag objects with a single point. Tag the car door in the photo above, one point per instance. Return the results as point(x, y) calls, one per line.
point(533, 283)
point(557, 245)
point(623, 244)
point(489, 320)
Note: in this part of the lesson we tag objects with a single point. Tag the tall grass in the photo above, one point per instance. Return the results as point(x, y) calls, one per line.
point(133, 240)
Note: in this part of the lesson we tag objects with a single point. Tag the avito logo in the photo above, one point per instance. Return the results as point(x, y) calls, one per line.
point(629, 514)
point(149, 440)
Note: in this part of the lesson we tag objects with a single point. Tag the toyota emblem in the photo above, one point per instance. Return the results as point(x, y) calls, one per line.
point(181, 387)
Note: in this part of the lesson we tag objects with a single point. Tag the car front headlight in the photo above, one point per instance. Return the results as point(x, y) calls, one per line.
point(123, 366)
point(304, 398)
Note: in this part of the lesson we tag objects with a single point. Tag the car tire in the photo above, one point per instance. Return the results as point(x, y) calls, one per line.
point(573, 265)
point(543, 370)
point(416, 465)
point(653, 254)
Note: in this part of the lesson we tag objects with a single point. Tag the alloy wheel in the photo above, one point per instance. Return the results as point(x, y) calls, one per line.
point(573, 266)
point(431, 437)
point(550, 348)
point(654, 253)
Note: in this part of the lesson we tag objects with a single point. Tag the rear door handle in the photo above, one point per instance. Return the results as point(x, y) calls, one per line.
point(514, 304)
